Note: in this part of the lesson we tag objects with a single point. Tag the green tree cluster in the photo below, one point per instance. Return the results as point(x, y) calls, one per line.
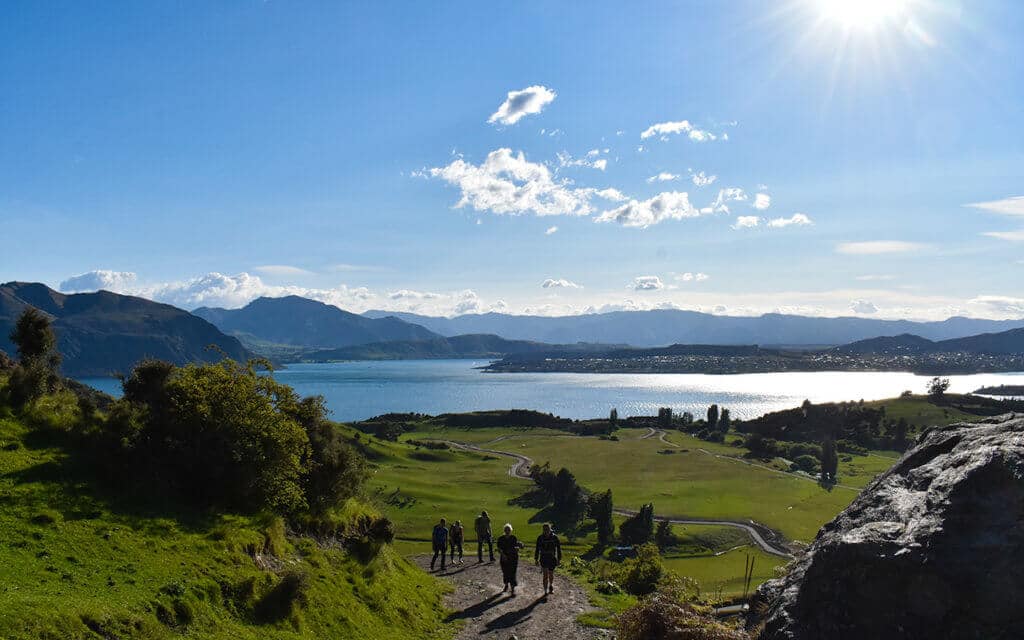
point(37, 371)
point(638, 529)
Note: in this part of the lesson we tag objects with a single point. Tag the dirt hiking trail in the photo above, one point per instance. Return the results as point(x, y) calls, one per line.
point(489, 613)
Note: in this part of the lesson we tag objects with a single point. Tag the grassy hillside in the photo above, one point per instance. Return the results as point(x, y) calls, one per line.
point(79, 562)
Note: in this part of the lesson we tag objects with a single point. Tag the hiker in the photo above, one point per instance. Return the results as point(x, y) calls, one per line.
point(483, 534)
point(455, 539)
point(548, 554)
point(440, 538)
point(509, 546)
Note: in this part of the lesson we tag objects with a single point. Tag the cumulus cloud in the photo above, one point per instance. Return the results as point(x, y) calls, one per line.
point(875, 247)
point(282, 270)
point(559, 283)
point(522, 103)
point(863, 306)
point(508, 183)
point(115, 281)
point(613, 195)
point(665, 129)
point(725, 196)
point(551, 230)
point(668, 205)
point(700, 179)
point(1012, 236)
point(746, 222)
point(647, 283)
point(797, 219)
point(1003, 305)
point(762, 201)
point(1012, 206)
point(664, 176)
point(692, 277)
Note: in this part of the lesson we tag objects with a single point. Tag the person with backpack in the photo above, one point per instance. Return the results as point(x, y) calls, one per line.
point(548, 554)
point(509, 546)
point(483, 534)
point(440, 539)
point(455, 540)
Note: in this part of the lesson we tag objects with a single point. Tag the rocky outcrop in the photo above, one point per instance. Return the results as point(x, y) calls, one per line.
point(928, 550)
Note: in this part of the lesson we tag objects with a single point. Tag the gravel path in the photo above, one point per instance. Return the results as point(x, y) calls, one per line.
point(489, 613)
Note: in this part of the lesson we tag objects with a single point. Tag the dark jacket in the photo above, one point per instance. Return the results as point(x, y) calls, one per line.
point(509, 546)
point(548, 546)
point(440, 535)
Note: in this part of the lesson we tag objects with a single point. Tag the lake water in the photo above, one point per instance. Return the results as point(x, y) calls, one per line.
point(359, 390)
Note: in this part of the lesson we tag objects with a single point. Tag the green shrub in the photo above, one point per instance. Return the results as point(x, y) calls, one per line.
point(641, 575)
point(807, 463)
point(281, 601)
point(666, 616)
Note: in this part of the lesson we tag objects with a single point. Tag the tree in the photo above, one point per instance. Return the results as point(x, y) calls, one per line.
point(724, 422)
point(900, 439)
point(613, 417)
point(664, 537)
point(937, 387)
point(665, 417)
point(639, 528)
point(36, 372)
point(829, 460)
point(713, 417)
point(601, 510)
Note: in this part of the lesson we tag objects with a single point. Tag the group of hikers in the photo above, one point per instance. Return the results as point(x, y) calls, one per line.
point(547, 551)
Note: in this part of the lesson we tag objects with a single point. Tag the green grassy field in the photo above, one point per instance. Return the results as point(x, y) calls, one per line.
point(76, 562)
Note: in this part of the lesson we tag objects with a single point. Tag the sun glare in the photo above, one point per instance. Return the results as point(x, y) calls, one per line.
point(861, 14)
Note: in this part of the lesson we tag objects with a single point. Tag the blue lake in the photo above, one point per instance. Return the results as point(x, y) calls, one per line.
point(359, 390)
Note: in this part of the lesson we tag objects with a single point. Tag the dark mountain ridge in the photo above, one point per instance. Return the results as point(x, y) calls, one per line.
point(297, 321)
point(1003, 343)
point(104, 333)
point(666, 326)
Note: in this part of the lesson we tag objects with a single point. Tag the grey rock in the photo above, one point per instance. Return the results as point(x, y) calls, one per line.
point(928, 550)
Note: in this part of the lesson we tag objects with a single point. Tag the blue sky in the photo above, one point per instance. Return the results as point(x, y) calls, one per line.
point(207, 153)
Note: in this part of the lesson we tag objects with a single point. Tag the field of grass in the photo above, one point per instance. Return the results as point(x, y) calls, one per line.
point(76, 562)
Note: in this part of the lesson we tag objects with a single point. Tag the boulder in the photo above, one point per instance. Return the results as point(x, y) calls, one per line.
point(928, 550)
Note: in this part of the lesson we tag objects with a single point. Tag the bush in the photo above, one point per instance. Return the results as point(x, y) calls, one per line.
point(641, 575)
point(664, 616)
point(806, 463)
point(281, 601)
point(639, 528)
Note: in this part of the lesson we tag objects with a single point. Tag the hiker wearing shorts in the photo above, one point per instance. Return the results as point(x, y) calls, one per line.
point(440, 539)
point(548, 554)
point(509, 546)
point(483, 534)
point(455, 540)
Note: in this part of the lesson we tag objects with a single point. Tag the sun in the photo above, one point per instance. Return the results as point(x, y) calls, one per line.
point(861, 14)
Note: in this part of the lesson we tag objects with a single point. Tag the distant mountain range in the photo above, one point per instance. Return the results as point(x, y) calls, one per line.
point(665, 327)
point(103, 333)
point(1003, 343)
point(467, 346)
point(302, 322)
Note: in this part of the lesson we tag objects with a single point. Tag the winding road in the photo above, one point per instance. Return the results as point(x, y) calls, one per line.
point(758, 532)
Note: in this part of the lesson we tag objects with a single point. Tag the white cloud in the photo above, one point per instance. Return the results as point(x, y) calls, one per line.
point(746, 222)
point(551, 230)
point(1013, 206)
point(647, 283)
point(664, 176)
point(875, 278)
point(762, 201)
point(566, 160)
point(522, 103)
point(116, 281)
point(797, 219)
point(611, 194)
point(863, 306)
point(508, 183)
point(600, 164)
point(665, 129)
point(700, 179)
point(1012, 236)
point(1002, 305)
point(559, 283)
point(875, 247)
point(692, 277)
point(668, 205)
point(725, 196)
point(281, 270)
